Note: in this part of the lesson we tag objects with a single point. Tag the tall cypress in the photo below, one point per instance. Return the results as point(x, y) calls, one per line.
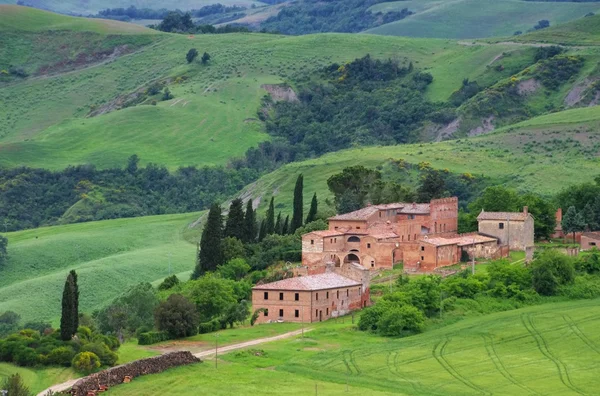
point(312, 213)
point(270, 219)
point(262, 233)
point(210, 255)
point(250, 223)
point(69, 316)
point(297, 216)
point(286, 225)
point(278, 224)
point(235, 225)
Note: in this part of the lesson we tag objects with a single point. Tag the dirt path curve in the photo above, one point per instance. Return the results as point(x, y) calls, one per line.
point(204, 354)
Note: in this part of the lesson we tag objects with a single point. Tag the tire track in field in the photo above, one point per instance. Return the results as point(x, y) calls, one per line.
point(353, 362)
point(542, 345)
point(438, 354)
point(416, 387)
point(575, 329)
point(488, 342)
point(345, 360)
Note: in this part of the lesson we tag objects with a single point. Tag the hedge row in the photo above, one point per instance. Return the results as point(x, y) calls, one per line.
point(153, 337)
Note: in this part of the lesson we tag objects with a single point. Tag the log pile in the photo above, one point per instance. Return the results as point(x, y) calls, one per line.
point(101, 381)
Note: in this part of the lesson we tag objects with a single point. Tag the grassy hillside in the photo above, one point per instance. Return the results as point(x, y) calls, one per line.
point(543, 155)
point(109, 256)
point(548, 349)
point(583, 31)
point(476, 18)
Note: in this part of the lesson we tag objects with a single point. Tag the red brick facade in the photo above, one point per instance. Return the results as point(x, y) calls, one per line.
point(590, 240)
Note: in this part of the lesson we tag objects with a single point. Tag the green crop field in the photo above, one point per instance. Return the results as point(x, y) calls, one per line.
point(476, 18)
point(552, 349)
point(109, 256)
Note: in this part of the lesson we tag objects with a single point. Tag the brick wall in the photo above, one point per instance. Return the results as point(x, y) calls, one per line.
point(517, 234)
point(589, 242)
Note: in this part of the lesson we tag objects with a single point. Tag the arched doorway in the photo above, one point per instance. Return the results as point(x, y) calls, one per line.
point(351, 258)
point(332, 258)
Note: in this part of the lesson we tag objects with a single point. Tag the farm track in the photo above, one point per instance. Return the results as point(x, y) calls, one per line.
point(542, 345)
point(577, 331)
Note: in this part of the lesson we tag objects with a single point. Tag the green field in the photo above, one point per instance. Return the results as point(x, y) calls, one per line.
point(462, 19)
point(552, 349)
point(109, 256)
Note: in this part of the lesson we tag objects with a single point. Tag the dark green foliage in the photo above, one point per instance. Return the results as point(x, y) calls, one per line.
point(210, 255)
point(542, 53)
point(351, 187)
point(432, 186)
point(298, 206)
point(205, 58)
point(167, 94)
point(554, 72)
point(169, 283)
point(176, 22)
point(235, 269)
point(262, 231)
point(232, 248)
point(212, 296)
point(401, 321)
point(236, 313)
point(61, 356)
point(9, 322)
point(38, 326)
point(234, 227)
point(132, 164)
point(256, 314)
point(209, 327)
point(312, 212)
point(312, 16)
point(551, 270)
point(270, 218)
point(153, 337)
point(467, 90)
point(572, 221)
point(177, 316)
point(3, 250)
point(70, 309)
point(278, 224)
point(286, 225)
point(249, 223)
point(542, 24)
point(191, 55)
point(106, 356)
point(15, 386)
point(589, 262)
point(544, 215)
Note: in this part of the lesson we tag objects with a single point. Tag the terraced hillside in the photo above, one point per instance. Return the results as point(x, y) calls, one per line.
point(549, 349)
point(464, 19)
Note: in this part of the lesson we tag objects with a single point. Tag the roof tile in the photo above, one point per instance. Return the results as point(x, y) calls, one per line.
point(310, 282)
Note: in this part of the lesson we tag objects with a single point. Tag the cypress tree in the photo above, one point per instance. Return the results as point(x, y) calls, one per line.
point(297, 216)
point(250, 223)
point(235, 225)
point(210, 255)
point(270, 226)
point(76, 301)
point(69, 316)
point(312, 213)
point(286, 225)
point(278, 224)
point(263, 231)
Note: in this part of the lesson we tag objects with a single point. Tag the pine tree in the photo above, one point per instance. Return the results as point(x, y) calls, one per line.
point(210, 255)
point(69, 316)
point(250, 223)
point(595, 224)
point(270, 219)
point(587, 215)
point(278, 224)
point(312, 213)
point(297, 216)
point(262, 233)
point(235, 225)
point(286, 225)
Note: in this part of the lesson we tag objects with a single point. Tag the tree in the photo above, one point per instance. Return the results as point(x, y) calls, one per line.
point(212, 296)
point(191, 55)
point(169, 283)
point(235, 269)
point(550, 270)
point(286, 225)
point(542, 24)
point(312, 212)
point(278, 224)
point(70, 315)
point(270, 218)
point(177, 316)
point(262, 232)
point(132, 164)
point(351, 187)
point(15, 386)
point(232, 248)
point(9, 322)
point(234, 227)
point(205, 58)
point(432, 186)
point(210, 255)
point(572, 221)
point(588, 217)
point(167, 94)
point(297, 215)
point(400, 321)
point(3, 250)
point(544, 215)
point(496, 199)
point(236, 313)
point(249, 223)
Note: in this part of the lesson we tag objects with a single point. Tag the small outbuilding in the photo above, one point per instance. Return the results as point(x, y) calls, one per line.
point(590, 240)
point(513, 229)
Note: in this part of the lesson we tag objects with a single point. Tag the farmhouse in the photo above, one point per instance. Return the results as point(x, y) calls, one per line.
point(513, 229)
point(590, 240)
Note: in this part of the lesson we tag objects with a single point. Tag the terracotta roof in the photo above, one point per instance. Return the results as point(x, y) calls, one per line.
point(382, 232)
point(366, 213)
point(416, 209)
point(310, 282)
point(513, 216)
point(460, 240)
point(327, 233)
point(361, 214)
point(592, 234)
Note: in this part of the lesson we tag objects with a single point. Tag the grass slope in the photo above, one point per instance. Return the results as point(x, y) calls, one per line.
point(548, 349)
point(463, 19)
point(583, 31)
point(109, 256)
point(565, 151)
point(37, 379)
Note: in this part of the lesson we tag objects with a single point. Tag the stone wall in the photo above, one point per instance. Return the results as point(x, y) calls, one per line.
point(115, 375)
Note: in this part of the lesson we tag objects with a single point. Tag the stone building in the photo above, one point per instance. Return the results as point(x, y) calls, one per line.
point(590, 240)
point(513, 229)
point(310, 298)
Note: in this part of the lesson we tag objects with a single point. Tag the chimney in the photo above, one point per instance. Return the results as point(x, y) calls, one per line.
point(525, 209)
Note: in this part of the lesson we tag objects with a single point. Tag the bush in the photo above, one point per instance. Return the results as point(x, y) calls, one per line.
point(25, 356)
point(401, 321)
point(589, 262)
point(169, 283)
point(15, 386)
point(177, 316)
point(86, 362)
point(551, 270)
point(153, 337)
point(209, 327)
point(106, 356)
point(586, 286)
point(61, 356)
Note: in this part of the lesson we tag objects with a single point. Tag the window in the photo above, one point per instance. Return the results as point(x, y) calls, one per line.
point(368, 246)
point(372, 263)
point(327, 295)
point(347, 292)
point(358, 228)
point(402, 238)
point(338, 294)
point(411, 217)
point(326, 311)
point(379, 214)
point(334, 240)
point(336, 227)
point(354, 239)
point(317, 296)
point(297, 297)
point(296, 313)
point(501, 226)
point(281, 296)
point(422, 248)
point(266, 313)
point(317, 312)
point(422, 258)
point(266, 295)
point(312, 241)
point(592, 243)
point(281, 313)
point(359, 291)
point(415, 237)
point(409, 237)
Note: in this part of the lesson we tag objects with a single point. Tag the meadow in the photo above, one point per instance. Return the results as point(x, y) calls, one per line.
point(465, 19)
point(550, 349)
point(109, 256)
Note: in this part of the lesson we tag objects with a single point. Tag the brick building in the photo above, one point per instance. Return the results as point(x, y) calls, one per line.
point(514, 229)
point(310, 298)
point(590, 240)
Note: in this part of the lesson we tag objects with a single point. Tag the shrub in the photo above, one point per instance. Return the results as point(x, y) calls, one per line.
point(153, 337)
point(15, 386)
point(551, 270)
point(169, 283)
point(177, 316)
point(86, 362)
point(369, 319)
point(209, 327)
point(61, 356)
point(106, 356)
point(25, 356)
point(589, 262)
point(401, 321)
